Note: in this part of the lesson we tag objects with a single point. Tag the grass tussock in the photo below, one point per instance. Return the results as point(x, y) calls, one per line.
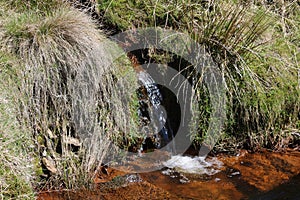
point(69, 88)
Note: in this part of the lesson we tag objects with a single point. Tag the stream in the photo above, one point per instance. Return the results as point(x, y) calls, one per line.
point(263, 175)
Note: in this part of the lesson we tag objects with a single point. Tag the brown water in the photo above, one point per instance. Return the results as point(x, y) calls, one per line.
point(265, 175)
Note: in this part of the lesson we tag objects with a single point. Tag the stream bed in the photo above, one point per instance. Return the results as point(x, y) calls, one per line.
point(262, 175)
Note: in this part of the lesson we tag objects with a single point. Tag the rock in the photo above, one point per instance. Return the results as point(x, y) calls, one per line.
point(49, 164)
point(133, 178)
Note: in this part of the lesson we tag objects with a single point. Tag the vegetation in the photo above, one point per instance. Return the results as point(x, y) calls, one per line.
point(66, 88)
point(256, 46)
point(16, 146)
point(60, 99)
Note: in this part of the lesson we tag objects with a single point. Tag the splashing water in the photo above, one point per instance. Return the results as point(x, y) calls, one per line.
point(196, 165)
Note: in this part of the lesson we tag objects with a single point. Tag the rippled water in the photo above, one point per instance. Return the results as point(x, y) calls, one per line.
point(265, 175)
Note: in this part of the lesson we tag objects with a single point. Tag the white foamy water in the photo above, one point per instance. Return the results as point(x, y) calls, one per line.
point(196, 165)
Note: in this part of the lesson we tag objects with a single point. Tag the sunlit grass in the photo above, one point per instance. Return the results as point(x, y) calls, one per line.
point(67, 82)
point(16, 146)
point(56, 74)
point(256, 46)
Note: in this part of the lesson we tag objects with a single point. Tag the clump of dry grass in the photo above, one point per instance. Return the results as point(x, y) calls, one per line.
point(69, 87)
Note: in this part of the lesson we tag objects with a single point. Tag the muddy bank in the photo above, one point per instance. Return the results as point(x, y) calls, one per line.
point(263, 175)
point(143, 191)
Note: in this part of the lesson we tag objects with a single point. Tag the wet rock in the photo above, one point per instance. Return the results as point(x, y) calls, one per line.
point(133, 178)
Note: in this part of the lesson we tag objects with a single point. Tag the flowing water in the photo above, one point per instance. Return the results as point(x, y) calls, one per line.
point(152, 112)
point(263, 175)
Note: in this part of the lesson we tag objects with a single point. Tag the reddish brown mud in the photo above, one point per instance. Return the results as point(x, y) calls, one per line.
point(263, 175)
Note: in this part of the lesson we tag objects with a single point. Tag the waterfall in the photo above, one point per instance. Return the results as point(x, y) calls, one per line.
point(153, 114)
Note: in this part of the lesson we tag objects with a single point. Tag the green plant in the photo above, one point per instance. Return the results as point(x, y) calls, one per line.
point(68, 87)
point(16, 147)
point(253, 43)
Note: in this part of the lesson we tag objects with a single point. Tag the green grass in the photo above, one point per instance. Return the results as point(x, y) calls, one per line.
point(55, 74)
point(256, 46)
point(16, 146)
point(67, 81)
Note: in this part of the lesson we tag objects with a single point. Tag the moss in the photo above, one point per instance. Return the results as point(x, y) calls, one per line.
point(254, 42)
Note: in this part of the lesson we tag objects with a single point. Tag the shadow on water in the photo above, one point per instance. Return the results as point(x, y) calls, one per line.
point(286, 191)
